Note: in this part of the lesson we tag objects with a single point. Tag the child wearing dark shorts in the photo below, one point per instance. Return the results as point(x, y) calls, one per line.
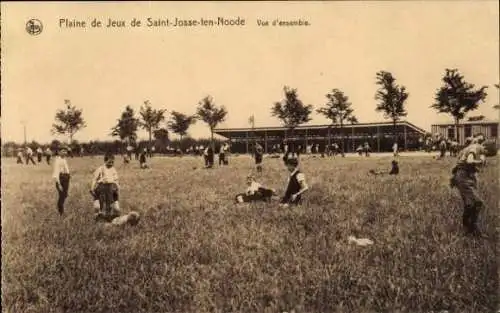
point(142, 160)
point(255, 192)
point(105, 189)
point(258, 154)
point(465, 181)
point(296, 183)
point(62, 177)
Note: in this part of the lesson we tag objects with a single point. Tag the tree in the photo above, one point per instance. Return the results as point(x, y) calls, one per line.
point(127, 125)
point(55, 144)
point(457, 97)
point(338, 109)
point(391, 99)
point(352, 120)
point(212, 115)
point(151, 118)
point(69, 121)
point(161, 137)
point(291, 110)
point(179, 123)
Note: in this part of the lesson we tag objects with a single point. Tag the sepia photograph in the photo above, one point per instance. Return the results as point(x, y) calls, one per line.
point(253, 156)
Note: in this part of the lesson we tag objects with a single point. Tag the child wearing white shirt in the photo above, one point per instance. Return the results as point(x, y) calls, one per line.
point(222, 154)
point(48, 155)
point(465, 180)
point(29, 156)
point(105, 188)
point(61, 176)
point(39, 154)
point(255, 192)
point(20, 157)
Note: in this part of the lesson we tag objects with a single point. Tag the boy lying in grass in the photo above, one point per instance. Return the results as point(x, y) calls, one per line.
point(255, 192)
point(394, 169)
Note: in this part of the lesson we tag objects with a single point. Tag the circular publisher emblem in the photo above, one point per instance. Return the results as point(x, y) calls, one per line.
point(34, 27)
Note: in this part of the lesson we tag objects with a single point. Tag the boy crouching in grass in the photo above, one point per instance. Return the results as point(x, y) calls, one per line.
point(105, 189)
point(296, 184)
point(465, 180)
point(255, 192)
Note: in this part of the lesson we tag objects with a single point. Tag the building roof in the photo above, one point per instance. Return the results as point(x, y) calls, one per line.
point(277, 130)
point(465, 122)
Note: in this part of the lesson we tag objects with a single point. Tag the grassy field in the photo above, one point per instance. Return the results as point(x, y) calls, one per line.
point(195, 251)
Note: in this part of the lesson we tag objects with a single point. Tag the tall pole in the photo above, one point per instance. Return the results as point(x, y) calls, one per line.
point(251, 121)
point(247, 144)
point(24, 130)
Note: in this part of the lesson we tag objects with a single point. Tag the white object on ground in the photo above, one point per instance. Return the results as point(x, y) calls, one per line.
point(359, 241)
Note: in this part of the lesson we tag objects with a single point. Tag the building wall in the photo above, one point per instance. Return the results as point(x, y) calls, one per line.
point(383, 143)
point(490, 131)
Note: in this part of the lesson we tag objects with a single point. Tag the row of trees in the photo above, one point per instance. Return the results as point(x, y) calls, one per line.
point(70, 120)
point(455, 97)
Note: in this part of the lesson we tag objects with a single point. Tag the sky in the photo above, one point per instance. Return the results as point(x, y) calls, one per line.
point(244, 68)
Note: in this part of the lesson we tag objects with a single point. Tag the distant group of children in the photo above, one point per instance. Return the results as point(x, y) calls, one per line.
point(27, 155)
point(140, 155)
point(105, 187)
point(105, 183)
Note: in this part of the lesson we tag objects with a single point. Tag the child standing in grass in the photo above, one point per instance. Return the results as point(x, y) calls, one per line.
point(464, 179)
point(39, 154)
point(48, 155)
point(222, 154)
point(29, 156)
point(20, 156)
point(395, 151)
point(105, 187)
point(142, 160)
point(296, 183)
point(442, 148)
point(367, 149)
point(61, 176)
point(258, 155)
point(208, 155)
